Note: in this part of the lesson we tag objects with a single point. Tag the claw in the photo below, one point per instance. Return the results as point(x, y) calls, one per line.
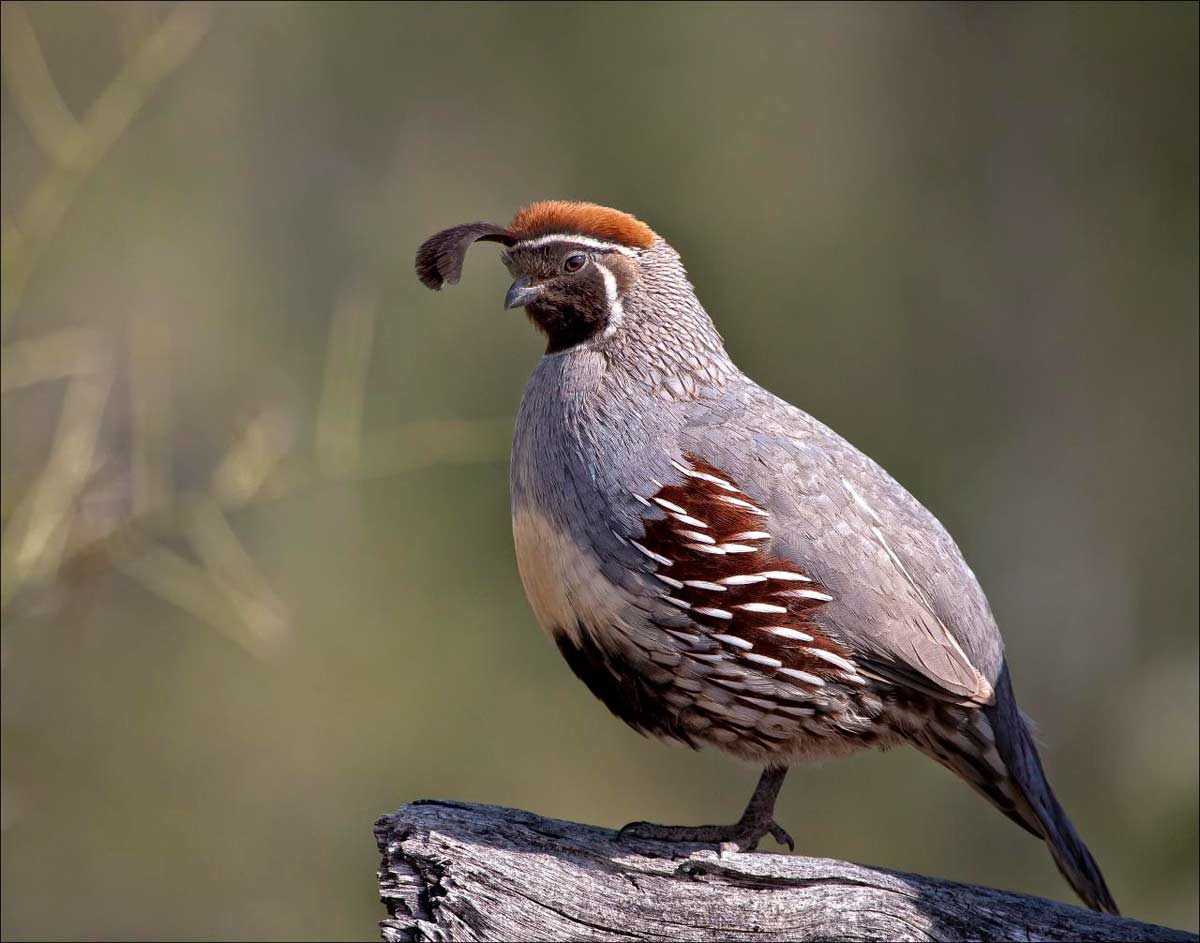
point(779, 833)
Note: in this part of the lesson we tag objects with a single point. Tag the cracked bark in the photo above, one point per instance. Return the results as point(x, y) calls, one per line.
point(453, 871)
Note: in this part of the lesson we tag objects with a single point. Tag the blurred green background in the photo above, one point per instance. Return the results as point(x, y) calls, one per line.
point(258, 578)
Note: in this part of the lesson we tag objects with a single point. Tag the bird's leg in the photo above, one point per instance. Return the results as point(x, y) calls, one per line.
point(758, 820)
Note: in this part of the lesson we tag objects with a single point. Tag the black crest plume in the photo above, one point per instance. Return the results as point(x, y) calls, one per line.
point(440, 258)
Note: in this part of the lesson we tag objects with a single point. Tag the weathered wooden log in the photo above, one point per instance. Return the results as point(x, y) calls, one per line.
point(453, 871)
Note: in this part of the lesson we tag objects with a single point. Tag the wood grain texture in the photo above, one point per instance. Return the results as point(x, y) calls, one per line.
point(454, 871)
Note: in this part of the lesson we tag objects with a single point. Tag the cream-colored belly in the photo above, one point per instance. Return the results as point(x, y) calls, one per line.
point(562, 580)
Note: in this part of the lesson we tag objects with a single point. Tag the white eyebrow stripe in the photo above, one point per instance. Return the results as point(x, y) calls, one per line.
point(551, 238)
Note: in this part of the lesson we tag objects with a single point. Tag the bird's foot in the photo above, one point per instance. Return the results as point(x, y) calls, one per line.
point(741, 836)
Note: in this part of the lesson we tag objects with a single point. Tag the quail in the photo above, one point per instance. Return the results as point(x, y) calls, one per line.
point(716, 565)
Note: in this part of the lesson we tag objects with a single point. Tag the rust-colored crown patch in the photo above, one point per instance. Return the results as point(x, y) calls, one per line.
point(581, 219)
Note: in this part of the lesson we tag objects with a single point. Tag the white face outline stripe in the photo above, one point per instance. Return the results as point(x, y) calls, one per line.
point(540, 241)
point(616, 312)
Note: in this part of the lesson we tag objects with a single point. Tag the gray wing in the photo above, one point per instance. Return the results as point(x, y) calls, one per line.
point(905, 600)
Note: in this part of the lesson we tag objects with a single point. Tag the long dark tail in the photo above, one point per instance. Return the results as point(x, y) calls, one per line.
point(1036, 800)
point(994, 751)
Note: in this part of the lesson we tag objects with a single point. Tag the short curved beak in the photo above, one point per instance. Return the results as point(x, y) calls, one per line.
point(521, 293)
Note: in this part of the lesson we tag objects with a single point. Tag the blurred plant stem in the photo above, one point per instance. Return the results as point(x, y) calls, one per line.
point(35, 540)
point(75, 148)
point(189, 587)
point(85, 506)
point(55, 356)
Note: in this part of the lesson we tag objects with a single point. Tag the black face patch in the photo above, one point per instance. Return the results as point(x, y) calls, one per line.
point(572, 309)
point(572, 306)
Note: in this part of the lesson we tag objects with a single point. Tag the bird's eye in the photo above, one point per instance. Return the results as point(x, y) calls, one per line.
point(574, 262)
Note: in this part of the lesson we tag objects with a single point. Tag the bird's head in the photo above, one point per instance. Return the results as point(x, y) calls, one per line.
point(573, 265)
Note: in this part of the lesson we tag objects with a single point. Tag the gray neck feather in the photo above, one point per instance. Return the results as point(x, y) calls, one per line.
point(603, 418)
point(666, 345)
